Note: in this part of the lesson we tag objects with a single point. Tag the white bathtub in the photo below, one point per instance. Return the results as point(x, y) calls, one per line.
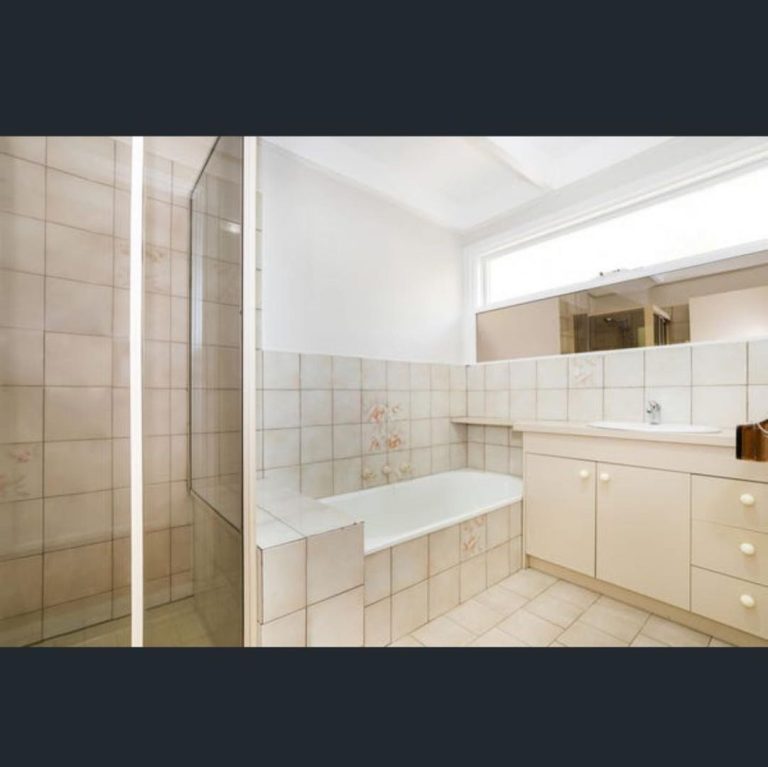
point(405, 510)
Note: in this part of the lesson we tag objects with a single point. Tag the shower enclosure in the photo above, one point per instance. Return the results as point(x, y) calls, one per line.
point(127, 332)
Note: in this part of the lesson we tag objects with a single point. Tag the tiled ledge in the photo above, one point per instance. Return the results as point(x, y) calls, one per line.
point(285, 516)
point(727, 438)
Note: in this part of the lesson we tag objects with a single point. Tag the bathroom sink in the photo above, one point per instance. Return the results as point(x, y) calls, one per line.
point(661, 428)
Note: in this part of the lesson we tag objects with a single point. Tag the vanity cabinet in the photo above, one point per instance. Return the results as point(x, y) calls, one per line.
point(682, 523)
point(643, 531)
point(560, 511)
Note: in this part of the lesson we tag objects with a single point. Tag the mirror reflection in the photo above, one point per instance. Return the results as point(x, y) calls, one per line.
point(717, 301)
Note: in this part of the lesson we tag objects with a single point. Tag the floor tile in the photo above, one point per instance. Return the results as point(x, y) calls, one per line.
point(528, 583)
point(530, 628)
point(641, 640)
point(615, 618)
point(497, 638)
point(554, 610)
point(443, 632)
point(570, 592)
point(474, 616)
point(406, 641)
point(673, 634)
point(583, 635)
point(501, 600)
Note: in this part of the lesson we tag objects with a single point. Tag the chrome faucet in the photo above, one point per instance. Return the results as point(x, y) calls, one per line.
point(654, 412)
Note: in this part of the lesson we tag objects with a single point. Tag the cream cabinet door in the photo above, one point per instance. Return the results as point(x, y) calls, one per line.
point(560, 511)
point(644, 531)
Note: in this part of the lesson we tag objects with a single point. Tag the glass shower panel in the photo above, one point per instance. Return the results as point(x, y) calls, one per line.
point(216, 389)
point(64, 493)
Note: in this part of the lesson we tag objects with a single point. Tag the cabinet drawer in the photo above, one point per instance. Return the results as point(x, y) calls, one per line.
point(730, 502)
point(731, 550)
point(719, 597)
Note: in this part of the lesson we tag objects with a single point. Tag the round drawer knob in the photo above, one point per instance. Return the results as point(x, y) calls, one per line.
point(747, 549)
point(605, 477)
point(584, 474)
point(747, 600)
point(747, 499)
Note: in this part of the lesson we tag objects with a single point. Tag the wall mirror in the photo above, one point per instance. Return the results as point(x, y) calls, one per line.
point(716, 299)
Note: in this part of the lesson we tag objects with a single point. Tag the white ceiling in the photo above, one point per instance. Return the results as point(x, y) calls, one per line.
point(464, 182)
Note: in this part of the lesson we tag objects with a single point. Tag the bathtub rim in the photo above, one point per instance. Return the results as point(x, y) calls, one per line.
point(433, 527)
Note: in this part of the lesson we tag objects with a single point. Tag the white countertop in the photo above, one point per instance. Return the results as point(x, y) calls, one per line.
point(726, 438)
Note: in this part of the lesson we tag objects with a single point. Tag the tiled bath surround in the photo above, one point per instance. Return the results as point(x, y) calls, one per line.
point(332, 424)
point(414, 582)
point(318, 589)
point(64, 499)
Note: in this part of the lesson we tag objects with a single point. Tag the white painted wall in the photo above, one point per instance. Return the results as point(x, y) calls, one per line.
point(347, 272)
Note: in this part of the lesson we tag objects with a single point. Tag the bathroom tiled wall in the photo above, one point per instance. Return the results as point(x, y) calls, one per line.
point(332, 424)
point(64, 500)
point(722, 384)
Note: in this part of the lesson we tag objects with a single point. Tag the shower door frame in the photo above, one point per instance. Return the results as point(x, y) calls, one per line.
point(249, 340)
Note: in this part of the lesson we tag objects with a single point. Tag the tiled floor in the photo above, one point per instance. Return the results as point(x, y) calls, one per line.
point(533, 609)
point(170, 625)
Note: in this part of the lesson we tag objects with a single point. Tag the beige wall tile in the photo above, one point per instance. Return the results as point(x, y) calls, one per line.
point(76, 573)
point(77, 467)
point(410, 563)
point(77, 520)
point(443, 592)
point(337, 622)
point(21, 414)
point(317, 479)
point(334, 562)
point(78, 413)
point(157, 555)
point(75, 202)
point(181, 549)
point(497, 527)
point(22, 629)
point(20, 586)
point(22, 466)
point(377, 576)
point(21, 529)
point(378, 631)
point(77, 360)
point(21, 357)
point(288, 631)
point(157, 223)
point(23, 188)
point(444, 548)
point(77, 307)
point(75, 254)
point(316, 408)
point(91, 157)
point(30, 148)
point(472, 577)
point(22, 243)
point(473, 537)
point(497, 563)
point(77, 614)
point(316, 444)
point(409, 610)
point(284, 580)
point(21, 300)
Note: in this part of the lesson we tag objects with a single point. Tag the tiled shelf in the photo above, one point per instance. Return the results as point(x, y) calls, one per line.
point(480, 421)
